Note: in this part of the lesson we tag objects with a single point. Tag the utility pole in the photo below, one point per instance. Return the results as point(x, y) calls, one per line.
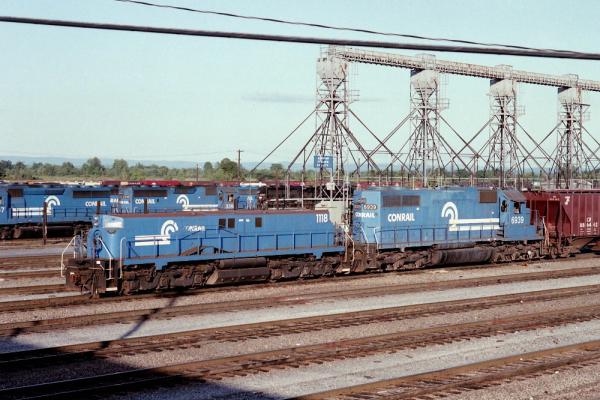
point(197, 172)
point(239, 163)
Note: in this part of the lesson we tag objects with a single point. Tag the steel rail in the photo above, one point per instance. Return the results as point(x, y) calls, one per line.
point(453, 381)
point(96, 319)
point(299, 356)
point(37, 261)
point(35, 274)
point(115, 348)
point(36, 289)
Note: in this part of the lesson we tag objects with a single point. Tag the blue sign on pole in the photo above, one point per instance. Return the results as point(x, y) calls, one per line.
point(323, 161)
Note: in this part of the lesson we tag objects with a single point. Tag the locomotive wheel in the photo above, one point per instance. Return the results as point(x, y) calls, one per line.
point(17, 233)
point(5, 234)
point(359, 264)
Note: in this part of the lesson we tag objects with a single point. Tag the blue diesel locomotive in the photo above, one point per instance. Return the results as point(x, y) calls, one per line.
point(132, 252)
point(72, 207)
point(66, 207)
point(386, 229)
point(396, 228)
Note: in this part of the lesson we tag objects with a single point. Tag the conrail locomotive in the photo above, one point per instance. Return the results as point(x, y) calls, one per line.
point(29, 208)
point(383, 229)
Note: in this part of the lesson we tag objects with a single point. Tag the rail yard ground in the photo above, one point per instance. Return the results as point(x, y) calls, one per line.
point(519, 330)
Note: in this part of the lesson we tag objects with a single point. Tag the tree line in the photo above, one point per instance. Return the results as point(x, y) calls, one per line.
point(93, 168)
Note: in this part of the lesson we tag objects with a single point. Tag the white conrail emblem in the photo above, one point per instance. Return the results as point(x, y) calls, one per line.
point(455, 224)
point(168, 227)
point(183, 200)
point(51, 202)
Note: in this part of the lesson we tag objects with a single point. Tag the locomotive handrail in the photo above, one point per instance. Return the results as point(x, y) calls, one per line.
point(349, 238)
point(362, 230)
point(110, 257)
point(375, 236)
point(62, 256)
point(197, 239)
point(379, 240)
point(121, 257)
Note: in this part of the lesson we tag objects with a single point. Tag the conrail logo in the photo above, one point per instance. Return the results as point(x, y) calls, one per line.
point(450, 211)
point(401, 217)
point(168, 227)
point(52, 201)
point(183, 200)
point(141, 201)
point(95, 203)
point(363, 214)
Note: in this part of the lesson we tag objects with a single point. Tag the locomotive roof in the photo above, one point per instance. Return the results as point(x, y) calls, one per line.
point(216, 212)
point(514, 195)
point(51, 186)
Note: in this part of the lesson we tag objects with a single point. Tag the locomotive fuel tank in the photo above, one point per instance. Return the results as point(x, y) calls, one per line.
point(472, 255)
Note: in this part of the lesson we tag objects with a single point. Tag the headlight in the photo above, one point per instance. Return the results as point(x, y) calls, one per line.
point(112, 223)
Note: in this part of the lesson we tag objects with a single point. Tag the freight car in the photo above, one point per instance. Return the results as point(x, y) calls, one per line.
point(67, 207)
point(571, 218)
point(390, 229)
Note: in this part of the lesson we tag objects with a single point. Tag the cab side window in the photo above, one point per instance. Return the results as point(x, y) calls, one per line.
point(503, 206)
point(517, 207)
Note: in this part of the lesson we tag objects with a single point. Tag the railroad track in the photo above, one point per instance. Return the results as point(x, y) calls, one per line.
point(30, 243)
point(34, 274)
point(35, 289)
point(29, 262)
point(29, 305)
point(453, 381)
point(118, 347)
point(206, 308)
point(298, 356)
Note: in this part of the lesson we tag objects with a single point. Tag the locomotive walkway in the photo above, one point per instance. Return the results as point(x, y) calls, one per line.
point(452, 380)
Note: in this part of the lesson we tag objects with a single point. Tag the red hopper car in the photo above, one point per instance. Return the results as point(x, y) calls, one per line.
point(571, 217)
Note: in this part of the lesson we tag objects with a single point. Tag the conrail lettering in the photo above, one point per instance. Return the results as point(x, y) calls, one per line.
point(401, 217)
point(360, 214)
point(141, 201)
point(95, 203)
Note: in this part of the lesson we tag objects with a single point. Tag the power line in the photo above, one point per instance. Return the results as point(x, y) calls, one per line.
point(323, 26)
point(304, 39)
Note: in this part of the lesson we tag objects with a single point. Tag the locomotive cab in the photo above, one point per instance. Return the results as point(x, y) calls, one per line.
point(516, 221)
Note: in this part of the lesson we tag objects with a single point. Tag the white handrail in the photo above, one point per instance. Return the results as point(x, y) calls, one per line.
point(121, 258)
point(110, 257)
point(362, 229)
point(62, 256)
point(349, 238)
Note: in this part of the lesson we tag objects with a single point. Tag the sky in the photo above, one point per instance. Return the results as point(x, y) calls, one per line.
point(80, 93)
